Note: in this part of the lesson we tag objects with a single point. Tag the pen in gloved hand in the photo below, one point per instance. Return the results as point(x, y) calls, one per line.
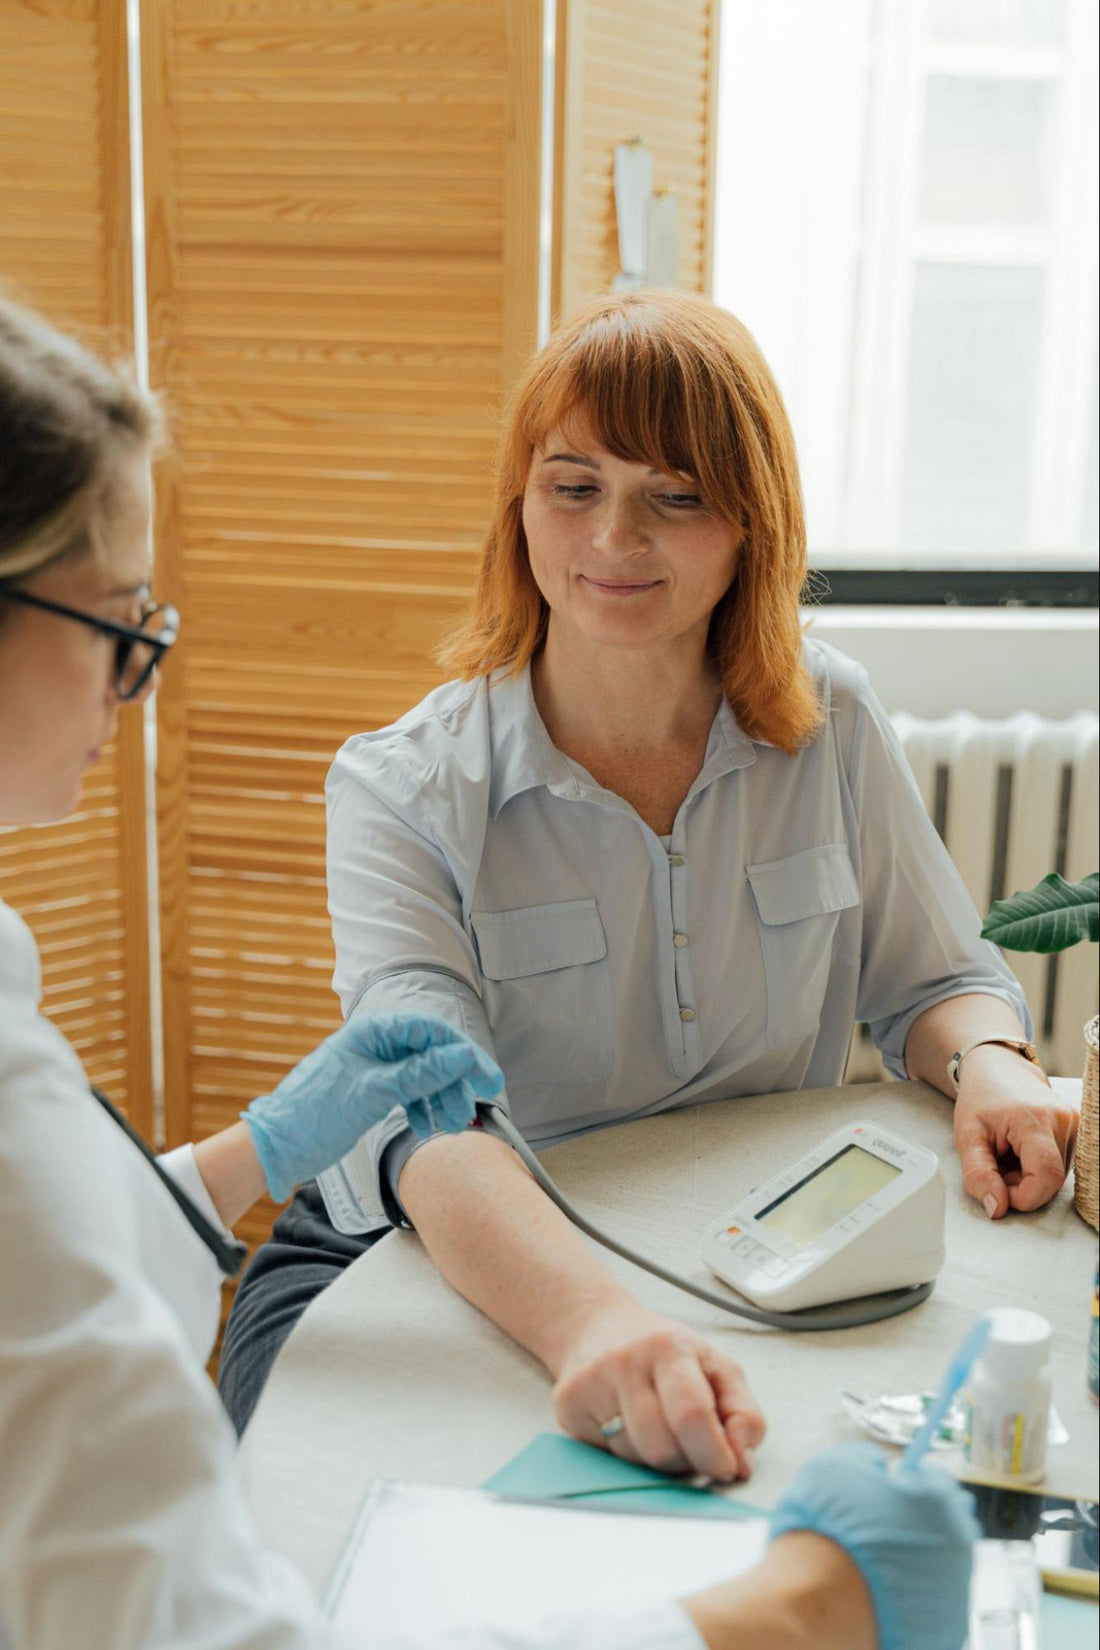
point(970, 1349)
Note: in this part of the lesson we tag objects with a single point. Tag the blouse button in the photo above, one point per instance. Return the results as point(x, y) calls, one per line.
point(675, 859)
point(687, 1014)
point(679, 941)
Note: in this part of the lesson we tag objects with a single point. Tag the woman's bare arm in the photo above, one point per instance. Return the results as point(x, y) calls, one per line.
point(230, 1172)
point(805, 1594)
point(503, 1245)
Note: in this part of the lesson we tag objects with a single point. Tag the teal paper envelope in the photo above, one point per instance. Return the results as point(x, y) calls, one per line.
point(554, 1468)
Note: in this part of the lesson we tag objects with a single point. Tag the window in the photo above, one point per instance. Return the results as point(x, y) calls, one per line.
point(907, 220)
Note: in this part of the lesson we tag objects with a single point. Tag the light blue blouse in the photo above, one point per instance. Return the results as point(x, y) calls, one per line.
point(476, 872)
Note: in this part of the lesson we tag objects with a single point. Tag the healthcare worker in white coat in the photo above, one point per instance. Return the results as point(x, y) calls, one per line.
point(123, 1525)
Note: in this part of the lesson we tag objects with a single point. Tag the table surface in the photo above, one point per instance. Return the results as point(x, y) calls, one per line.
point(391, 1373)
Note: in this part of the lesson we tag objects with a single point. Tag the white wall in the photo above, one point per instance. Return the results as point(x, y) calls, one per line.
point(931, 661)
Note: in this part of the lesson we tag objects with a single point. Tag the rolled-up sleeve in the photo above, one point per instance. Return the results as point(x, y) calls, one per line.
point(921, 932)
point(396, 911)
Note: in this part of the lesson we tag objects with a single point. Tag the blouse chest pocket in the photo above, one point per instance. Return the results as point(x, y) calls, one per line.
point(798, 902)
point(547, 990)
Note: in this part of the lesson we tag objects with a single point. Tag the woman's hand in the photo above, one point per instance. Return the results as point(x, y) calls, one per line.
point(686, 1407)
point(910, 1534)
point(1014, 1138)
point(355, 1079)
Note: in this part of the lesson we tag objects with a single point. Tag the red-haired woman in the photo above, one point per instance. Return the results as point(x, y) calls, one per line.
point(653, 847)
point(122, 1521)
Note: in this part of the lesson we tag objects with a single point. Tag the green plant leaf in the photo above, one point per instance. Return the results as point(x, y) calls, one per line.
point(1049, 917)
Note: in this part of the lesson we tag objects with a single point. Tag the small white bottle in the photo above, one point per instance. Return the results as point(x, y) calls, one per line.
point(1008, 1401)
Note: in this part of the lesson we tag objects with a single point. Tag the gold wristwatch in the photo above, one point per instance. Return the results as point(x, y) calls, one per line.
point(1020, 1044)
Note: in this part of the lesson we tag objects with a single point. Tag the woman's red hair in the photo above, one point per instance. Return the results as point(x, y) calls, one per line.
point(671, 381)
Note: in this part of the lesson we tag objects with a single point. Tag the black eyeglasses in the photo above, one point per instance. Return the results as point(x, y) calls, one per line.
point(139, 649)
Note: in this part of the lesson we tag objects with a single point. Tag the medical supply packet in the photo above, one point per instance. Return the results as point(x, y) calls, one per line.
point(894, 1418)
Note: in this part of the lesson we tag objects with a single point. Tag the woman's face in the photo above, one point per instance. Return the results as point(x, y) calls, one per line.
point(625, 556)
point(58, 706)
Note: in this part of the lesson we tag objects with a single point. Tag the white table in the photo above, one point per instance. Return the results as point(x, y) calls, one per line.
point(390, 1372)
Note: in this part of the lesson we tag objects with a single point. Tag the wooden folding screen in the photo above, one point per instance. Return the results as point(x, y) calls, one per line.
point(65, 248)
point(342, 210)
point(342, 222)
point(627, 69)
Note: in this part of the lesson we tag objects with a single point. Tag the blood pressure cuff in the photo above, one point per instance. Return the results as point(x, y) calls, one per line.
point(396, 1154)
point(361, 1192)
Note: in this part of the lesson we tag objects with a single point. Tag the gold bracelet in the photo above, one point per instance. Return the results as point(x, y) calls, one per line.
point(1020, 1044)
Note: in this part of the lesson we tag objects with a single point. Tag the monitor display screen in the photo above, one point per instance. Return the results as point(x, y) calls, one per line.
point(808, 1210)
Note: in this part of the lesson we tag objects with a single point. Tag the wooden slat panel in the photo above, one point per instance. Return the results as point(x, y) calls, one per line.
point(342, 206)
point(633, 68)
point(65, 247)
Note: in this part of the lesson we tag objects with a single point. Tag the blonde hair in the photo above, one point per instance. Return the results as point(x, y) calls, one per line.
point(672, 381)
point(68, 421)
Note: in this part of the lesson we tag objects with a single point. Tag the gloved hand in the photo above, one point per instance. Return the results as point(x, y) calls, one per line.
point(909, 1533)
point(354, 1079)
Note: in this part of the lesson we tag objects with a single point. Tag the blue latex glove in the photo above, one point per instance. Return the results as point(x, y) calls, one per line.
point(910, 1534)
point(355, 1079)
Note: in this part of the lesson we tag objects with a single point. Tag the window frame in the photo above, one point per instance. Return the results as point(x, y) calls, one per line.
point(863, 565)
point(852, 585)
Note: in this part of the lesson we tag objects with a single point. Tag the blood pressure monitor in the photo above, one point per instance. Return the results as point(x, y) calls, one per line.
point(860, 1213)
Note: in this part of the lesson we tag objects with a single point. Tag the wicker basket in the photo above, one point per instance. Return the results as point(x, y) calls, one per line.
point(1086, 1179)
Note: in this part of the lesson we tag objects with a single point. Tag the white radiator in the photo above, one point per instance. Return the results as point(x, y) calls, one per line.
point(1013, 800)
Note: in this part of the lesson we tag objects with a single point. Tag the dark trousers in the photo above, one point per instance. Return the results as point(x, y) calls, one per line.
point(304, 1254)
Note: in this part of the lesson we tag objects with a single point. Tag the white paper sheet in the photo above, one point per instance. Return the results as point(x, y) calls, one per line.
point(421, 1559)
point(662, 241)
point(633, 188)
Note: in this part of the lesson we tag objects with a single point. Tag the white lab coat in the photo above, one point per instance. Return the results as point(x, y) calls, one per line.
point(123, 1525)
